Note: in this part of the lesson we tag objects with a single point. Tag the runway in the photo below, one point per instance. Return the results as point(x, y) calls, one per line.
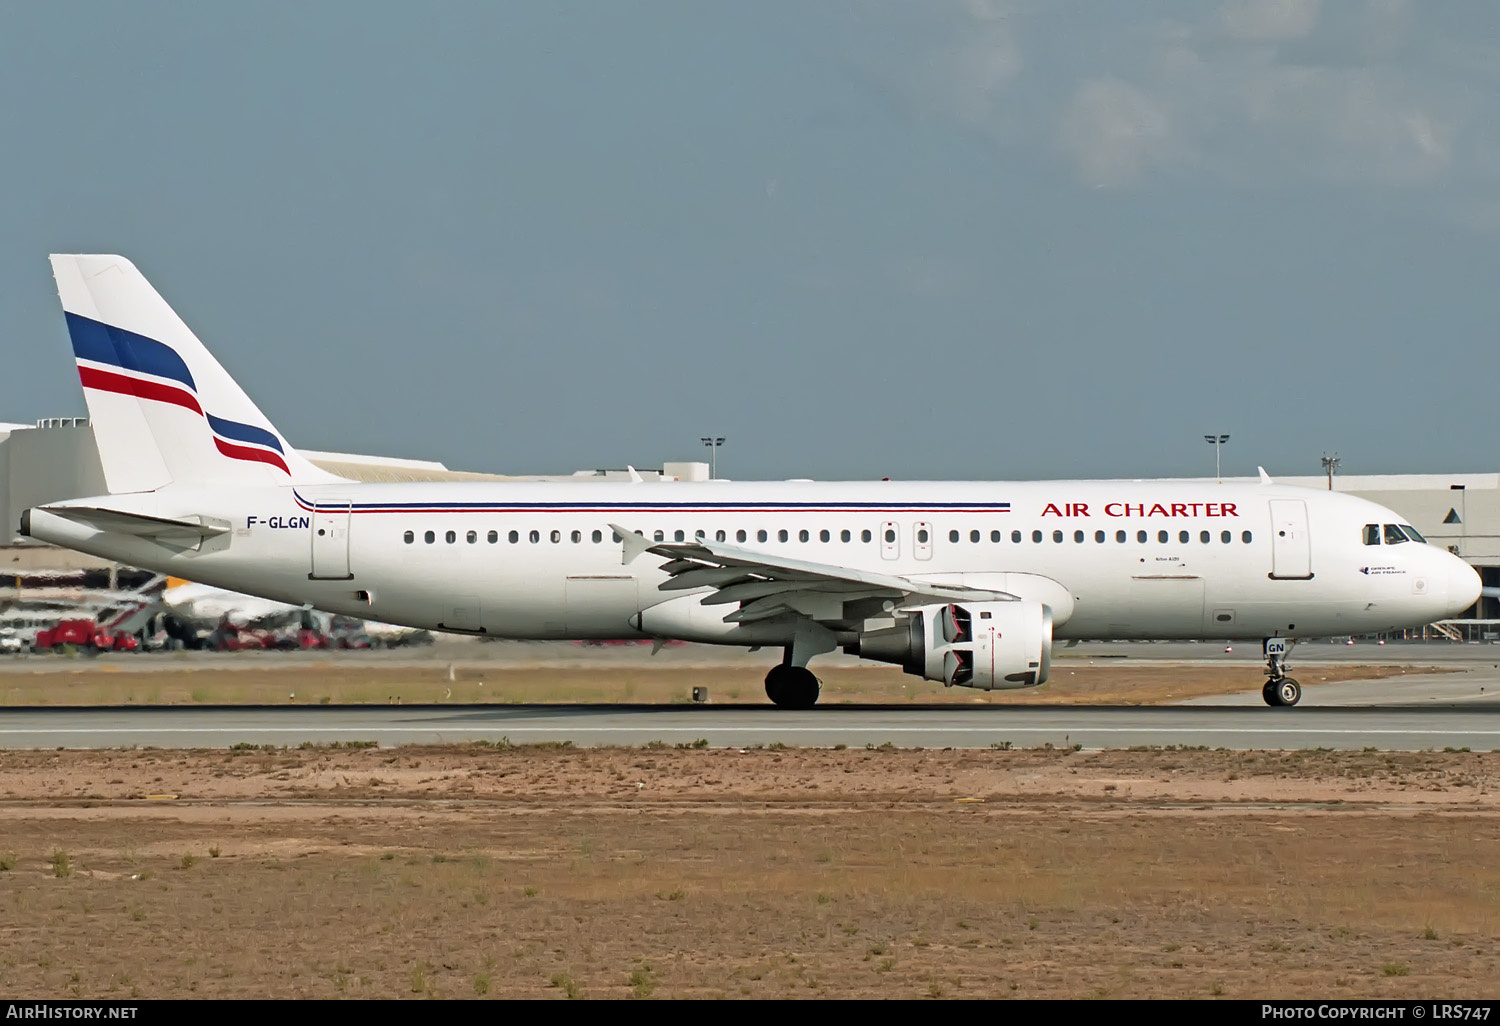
point(1473, 725)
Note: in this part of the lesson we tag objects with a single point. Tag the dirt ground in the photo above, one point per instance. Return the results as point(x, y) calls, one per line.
point(262, 679)
point(662, 872)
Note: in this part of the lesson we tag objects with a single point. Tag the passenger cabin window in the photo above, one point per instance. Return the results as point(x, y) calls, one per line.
point(845, 536)
point(760, 535)
point(1140, 536)
point(515, 536)
point(700, 535)
point(598, 536)
point(409, 537)
point(1077, 536)
point(472, 537)
point(494, 537)
point(1161, 536)
point(451, 537)
point(1099, 537)
point(1036, 536)
point(1205, 537)
point(1183, 536)
point(1246, 537)
point(802, 535)
point(1225, 537)
point(864, 536)
point(1393, 535)
point(922, 536)
point(994, 536)
point(890, 535)
point(577, 536)
point(739, 536)
point(973, 536)
point(536, 536)
point(660, 536)
point(782, 535)
point(1015, 536)
point(720, 536)
point(824, 536)
point(677, 536)
point(1372, 534)
point(1057, 536)
point(1120, 537)
point(556, 537)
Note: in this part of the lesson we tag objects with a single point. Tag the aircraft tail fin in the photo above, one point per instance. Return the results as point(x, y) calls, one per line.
point(163, 409)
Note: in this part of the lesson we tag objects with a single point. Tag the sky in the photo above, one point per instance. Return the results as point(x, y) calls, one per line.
point(969, 239)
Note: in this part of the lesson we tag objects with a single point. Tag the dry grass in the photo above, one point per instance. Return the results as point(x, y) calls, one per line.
point(259, 680)
point(466, 872)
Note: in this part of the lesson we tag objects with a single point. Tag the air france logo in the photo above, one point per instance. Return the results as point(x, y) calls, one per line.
point(1380, 571)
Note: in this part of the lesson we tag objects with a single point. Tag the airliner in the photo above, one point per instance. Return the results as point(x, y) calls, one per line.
point(964, 583)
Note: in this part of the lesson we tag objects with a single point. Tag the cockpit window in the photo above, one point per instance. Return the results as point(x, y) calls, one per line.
point(1393, 535)
point(1372, 534)
point(1411, 532)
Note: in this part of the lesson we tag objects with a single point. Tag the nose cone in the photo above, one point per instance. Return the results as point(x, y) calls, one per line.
point(1463, 585)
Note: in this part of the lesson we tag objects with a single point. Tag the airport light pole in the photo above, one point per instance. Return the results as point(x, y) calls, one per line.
point(1331, 465)
point(713, 452)
point(1217, 441)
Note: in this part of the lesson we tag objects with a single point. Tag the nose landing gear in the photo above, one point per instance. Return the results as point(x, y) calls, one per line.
point(1279, 689)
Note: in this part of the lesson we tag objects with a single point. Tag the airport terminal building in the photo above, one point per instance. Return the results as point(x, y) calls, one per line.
point(58, 459)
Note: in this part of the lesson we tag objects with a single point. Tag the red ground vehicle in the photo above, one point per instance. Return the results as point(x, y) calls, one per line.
point(84, 634)
point(230, 638)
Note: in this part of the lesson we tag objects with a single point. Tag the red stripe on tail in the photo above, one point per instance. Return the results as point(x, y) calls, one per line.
point(244, 452)
point(106, 381)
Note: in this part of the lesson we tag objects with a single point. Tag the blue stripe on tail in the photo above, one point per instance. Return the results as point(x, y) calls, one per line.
point(237, 432)
point(116, 347)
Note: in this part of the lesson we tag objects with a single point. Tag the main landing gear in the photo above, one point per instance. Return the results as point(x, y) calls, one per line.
point(792, 687)
point(1280, 689)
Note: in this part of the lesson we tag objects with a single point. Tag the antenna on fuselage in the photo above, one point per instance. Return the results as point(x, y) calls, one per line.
point(1264, 477)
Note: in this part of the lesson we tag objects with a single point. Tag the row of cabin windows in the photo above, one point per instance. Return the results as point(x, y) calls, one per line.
point(1162, 537)
point(472, 537)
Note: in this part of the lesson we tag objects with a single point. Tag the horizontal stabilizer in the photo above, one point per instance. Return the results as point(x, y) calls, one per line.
point(118, 522)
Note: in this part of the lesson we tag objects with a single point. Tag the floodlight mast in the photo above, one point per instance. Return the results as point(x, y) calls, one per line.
point(713, 452)
point(1331, 466)
point(1217, 441)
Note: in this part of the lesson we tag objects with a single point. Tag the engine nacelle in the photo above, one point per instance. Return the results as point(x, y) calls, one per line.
point(985, 645)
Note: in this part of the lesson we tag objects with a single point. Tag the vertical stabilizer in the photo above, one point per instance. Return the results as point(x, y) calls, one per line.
point(162, 407)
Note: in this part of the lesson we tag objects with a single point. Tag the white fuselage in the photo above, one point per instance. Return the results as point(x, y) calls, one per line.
point(1132, 559)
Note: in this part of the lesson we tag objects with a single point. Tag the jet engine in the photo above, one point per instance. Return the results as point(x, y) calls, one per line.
point(984, 645)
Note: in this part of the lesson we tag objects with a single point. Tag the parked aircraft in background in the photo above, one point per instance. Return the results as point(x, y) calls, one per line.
point(964, 583)
point(209, 616)
point(202, 605)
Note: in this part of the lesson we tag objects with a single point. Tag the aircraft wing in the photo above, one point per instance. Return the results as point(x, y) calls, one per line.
point(767, 585)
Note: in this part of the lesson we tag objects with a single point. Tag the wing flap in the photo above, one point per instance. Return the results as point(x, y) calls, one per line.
point(766, 585)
